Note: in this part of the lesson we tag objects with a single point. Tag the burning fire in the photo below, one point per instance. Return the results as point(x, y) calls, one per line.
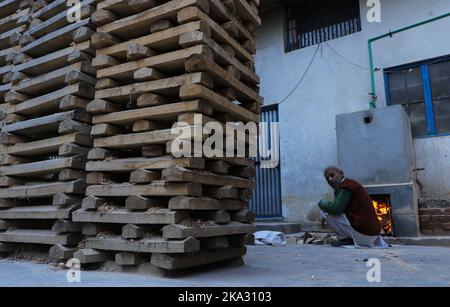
point(384, 214)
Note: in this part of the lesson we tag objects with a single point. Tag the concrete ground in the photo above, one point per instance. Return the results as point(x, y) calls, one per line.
point(267, 266)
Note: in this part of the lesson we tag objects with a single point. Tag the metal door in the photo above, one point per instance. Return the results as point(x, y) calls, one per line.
point(266, 201)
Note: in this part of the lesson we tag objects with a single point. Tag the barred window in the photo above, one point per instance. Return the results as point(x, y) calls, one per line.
point(311, 22)
point(424, 91)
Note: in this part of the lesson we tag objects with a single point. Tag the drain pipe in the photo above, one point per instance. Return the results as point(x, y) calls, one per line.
point(373, 100)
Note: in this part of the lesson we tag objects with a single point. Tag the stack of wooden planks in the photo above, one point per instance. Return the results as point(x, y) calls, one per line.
point(158, 63)
point(89, 164)
point(45, 134)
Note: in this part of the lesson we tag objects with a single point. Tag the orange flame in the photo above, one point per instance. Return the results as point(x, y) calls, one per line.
point(384, 215)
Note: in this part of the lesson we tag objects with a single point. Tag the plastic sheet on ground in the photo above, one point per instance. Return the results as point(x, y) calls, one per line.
point(270, 238)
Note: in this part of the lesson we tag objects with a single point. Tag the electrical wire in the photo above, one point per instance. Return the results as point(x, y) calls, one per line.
point(303, 76)
point(437, 60)
point(346, 59)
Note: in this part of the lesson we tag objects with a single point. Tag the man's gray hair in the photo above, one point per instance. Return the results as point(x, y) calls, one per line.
point(333, 168)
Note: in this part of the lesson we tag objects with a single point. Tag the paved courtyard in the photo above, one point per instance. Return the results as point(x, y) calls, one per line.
point(267, 266)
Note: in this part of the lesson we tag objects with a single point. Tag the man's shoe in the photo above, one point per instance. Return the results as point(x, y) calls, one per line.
point(343, 242)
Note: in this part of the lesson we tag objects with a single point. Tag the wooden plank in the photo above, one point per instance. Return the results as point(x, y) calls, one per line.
point(246, 13)
point(160, 25)
point(180, 231)
point(42, 167)
point(124, 216)
point(192, 203)
point(8, 7)
point(6, 181)
point(50, 10)
point(6, 159)
point(54, 41)
point(137, 25)
point(51, 61)
point(10, 203)
point(48, 81)
point(60, 252)
point(218, 34)
point(5, 53)
point(144, 176)
point(102, 40)
point(243, 216)
point(219, 216)
point(61, 199)
point(100, 106)
point(70, 149)
point(50, 212)
point(163, 41)
point(178, 262)
point(147, 74)
point(179, 174)
point(10, 139)
point(154, 189)
point(88, 255)
point(61, 225)
point(152, 245)
point(70, 126)
point(50, 102)
point(236, 161)
point(131, 164)
point(43, 190)
point(91, 229)
point(48, 145)
point(170, 62)
point(10, 38)
point(100, 154)
point(100, 178)
point(93, 203)
point(217, 101)
point(225, 192)
point(164, 87)
point(19, 18)
point(135, 202)
point(39, 237)
point(136, 52)
point(119, 7)
point(135, 140)
point(60, 20)
point(219, 7)
point(101, 17)
point(197, 63)
point(131, 231)
point(100, 130)
point(49, 123)
point(68, 174)
point(163, 112)
point(144, 125)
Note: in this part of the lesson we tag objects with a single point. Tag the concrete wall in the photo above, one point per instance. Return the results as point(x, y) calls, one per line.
point(375, 146)
point(333, 86)
point(433, 155)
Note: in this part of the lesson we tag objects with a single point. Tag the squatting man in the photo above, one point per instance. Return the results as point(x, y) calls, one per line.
point(351, 215)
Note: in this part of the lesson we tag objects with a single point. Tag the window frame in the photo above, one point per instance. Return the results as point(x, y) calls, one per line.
point(427, 91)
point(289, 47)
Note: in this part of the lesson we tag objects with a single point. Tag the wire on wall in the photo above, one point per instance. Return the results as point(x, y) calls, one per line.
point(303, 76)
